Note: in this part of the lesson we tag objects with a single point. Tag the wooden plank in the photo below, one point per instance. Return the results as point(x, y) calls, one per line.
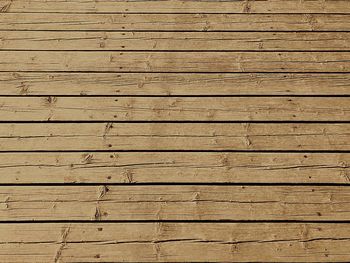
point(175, 22)
point(174, 136)
point(175, 61)
point(180, 41)
point(165, 167)
point(175, 242)
point(176, 6)
point(174, 109)
point(174, 202)
point(21, 83)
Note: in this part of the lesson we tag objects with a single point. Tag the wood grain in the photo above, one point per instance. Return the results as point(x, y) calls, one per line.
point(174, 131)
point(176, 6)
point(181, 202)
point(180, 62)
point(185, 167)
point(174, 136)
point(175, 22)
point(180, 41)
point(174, 109)
point(34, 83)
point(175, 242)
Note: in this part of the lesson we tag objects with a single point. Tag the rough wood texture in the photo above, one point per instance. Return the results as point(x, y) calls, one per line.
point(183, 115)
point(181, 242)
point(175, 22)
point(181, 202)
point(180, 62)
point(176, 6)
point(21, 83)
point(181, 41)
point(174, 136)
point(196, 167)
point(174, 109)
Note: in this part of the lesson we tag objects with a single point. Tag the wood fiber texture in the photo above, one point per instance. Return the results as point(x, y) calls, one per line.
point(174, 131)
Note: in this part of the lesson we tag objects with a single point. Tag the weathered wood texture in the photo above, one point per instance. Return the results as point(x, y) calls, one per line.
point(174, 136)
point(143, 84)
point(175, 22)
point(184, 167)
point(169, 242)
point(174, 109)
point(176, 6)
point(181, 41)
point(180, 62)
point(171, 137)
point(182, 202)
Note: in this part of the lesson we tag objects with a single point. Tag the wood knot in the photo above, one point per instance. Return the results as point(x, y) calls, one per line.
point(50, 100)
point(24, 89)
point(87, 158)
point(128, 176)
point(6, 202)
point(247, 7)
point(225, 162)
point(108, 127)
point(102, 191)
point(5, 7)
point(196, 196)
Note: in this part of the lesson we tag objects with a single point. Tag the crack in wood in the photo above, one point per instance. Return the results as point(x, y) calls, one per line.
point(58, 255)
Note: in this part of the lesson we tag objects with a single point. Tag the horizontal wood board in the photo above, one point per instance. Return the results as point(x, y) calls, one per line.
point(174, 109)
point(176, 6)
point(175, 242)
point(175, 22)
point(177, 62)
point(175, 136)
point(173, 84)
point(181, 202)
point(176, 41)
point(174, 167)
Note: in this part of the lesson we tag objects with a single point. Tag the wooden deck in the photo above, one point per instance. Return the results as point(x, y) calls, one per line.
point(174, 131)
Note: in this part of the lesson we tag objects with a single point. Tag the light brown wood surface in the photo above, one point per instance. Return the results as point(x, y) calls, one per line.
point(174, 167)
point(175, 242)
point(179, 62)
point(163, 84)
point(174, 109)
point(181, 41)
point(174, 131)
point(175, 136)
point(176, 6)
point(181, 202)
point(175, 22)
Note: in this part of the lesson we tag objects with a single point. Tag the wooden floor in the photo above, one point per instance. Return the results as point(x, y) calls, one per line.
point(174, 131)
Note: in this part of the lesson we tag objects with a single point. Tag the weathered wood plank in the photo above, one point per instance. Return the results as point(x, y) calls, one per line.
point(181, 202)
point(175, 22)
point(174, 108)
point(175, 242)
point(180, 62)
point(174, 136)
point(185, 167)
point(21, 83)
point(176, 6)
point(177, 41)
